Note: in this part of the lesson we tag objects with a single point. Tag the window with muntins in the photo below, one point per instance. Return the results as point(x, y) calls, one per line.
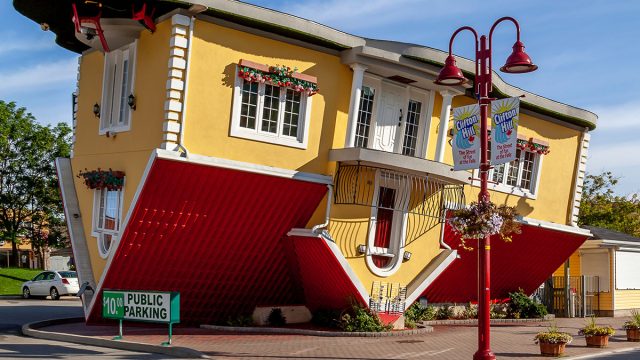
point(411, 128)
point(115, 113)
point(270, 113)
point(518, 174)
point(364, 117)
point(107, 217)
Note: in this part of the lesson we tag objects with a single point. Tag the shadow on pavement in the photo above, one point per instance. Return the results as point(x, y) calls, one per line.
point(17, 351)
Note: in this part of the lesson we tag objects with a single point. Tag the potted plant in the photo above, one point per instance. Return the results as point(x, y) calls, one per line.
point(633, 326)
point(482, 219)
point(596, 336)
point(552, 341)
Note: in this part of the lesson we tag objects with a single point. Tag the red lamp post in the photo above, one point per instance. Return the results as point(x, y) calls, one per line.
point(451, 75)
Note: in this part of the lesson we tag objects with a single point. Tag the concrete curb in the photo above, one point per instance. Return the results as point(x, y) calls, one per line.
point(175, 351)
point(475, 321)
point(285, 331)
point(598, 355)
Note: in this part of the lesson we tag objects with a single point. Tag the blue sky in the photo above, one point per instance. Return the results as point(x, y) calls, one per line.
point(588, 53)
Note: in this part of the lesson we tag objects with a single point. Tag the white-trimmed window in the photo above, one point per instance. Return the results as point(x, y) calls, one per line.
point(107, 215)
point(519, 176)
point(117, 85)
point(269, 113)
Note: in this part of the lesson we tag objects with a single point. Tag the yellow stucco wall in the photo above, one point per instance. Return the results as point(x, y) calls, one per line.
point(215, 52)
point(127, 151)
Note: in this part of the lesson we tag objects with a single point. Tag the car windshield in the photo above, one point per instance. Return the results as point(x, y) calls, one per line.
point(68, 274)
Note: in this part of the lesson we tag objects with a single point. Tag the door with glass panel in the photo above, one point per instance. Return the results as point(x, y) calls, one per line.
point(390, 117)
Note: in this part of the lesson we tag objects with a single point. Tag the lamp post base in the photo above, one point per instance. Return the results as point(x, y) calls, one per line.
point(484, 355)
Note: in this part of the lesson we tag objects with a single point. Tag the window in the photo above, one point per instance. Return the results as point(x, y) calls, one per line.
point(364, 117)
point(411, 128)
point(519, 175)
point(106, 218)
point(270, 113)
point(117, 85)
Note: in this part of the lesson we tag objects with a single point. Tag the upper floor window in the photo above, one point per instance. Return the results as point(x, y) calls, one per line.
point(117, 85)
point(391, 117)
point(107, 214)
point(270, 113)
point(519, 176)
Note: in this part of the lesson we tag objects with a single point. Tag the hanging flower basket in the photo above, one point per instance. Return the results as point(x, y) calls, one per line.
point(484, 219)
point(279, 75)
point(103, 179)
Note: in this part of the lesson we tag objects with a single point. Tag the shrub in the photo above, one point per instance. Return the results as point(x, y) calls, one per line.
point(470, 311)
point(276, 318)
point(359, 319)
point(591, 329)
point(521, 306)
point(242, 320)
point(553, 336)
point(417, 313)
point(326, 318)
point(497, 312)
point(444, 313)
point(634, 323)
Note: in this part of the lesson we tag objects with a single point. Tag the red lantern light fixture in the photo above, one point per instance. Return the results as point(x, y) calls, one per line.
point(450, 74)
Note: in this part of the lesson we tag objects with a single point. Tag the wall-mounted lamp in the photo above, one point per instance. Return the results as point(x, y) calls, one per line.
point(407, 256)
point(131, 101)
point(96, 110)
point(362, 249)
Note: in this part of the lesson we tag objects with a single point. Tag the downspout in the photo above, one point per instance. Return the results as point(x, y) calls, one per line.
point(444, 224)
point(321, 228)
point(186, 90)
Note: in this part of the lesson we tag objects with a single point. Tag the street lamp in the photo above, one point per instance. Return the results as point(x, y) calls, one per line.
point(450, 75)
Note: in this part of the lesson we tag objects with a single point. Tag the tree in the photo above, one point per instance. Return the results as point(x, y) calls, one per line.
point(601, 207)
point(30, 204)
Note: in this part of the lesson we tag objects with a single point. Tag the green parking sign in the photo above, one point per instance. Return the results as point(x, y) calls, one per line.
point(113, 305)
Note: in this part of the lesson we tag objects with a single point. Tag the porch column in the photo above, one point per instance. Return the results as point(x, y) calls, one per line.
point(354, 103)
point(447, 96)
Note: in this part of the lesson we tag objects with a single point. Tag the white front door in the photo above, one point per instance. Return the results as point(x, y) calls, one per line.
point(390, 116)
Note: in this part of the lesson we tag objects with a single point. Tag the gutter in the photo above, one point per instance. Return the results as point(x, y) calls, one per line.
point(321, 228)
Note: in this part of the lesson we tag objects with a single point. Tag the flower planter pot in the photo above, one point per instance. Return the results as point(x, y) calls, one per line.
point(633, 335)
point(547, 349)
point(599, 341)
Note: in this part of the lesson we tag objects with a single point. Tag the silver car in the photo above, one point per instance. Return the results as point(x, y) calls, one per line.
point(51, 283)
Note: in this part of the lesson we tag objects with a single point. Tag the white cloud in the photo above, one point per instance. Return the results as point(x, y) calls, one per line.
point(8, 45)
point(39, 76)
point(618, 116)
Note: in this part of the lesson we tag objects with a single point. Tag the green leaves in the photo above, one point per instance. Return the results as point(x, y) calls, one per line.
point(30, 205)
point(601, 207)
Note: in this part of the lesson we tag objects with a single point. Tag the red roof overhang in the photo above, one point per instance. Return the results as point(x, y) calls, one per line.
point(524, 263)
point(216, 235)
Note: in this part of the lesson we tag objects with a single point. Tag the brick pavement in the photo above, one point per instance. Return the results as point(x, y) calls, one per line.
point(446, 342)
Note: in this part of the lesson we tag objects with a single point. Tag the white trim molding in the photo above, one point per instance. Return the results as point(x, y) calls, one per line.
point(581, 169)
point(178, 65)
point(554, 226)
point(354, 103)
point(445, 113)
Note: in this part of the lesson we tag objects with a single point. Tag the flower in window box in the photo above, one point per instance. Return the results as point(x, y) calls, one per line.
point(103, 179)
point(484, 219)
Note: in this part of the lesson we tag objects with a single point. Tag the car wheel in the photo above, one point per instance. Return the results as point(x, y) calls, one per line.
point(26, 293)
point(54, 294)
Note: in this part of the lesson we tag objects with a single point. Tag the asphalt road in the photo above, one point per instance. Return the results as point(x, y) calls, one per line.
point(16, 312)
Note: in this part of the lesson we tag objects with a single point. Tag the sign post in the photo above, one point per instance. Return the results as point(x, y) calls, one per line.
point(145, 306)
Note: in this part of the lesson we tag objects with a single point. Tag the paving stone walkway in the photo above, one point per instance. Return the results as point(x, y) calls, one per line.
point(509, 341)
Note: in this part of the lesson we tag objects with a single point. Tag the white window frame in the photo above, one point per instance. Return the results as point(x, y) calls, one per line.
point(112, 96)
point(300, 141)
point(531, 193)
point(96, 230)
point(398, 225)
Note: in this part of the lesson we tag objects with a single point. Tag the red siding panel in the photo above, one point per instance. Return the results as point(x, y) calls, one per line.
point(215, 235)
point(326, 284)
point(524, 263)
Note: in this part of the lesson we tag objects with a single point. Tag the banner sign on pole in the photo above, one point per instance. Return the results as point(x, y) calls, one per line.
point(466, 137)
point(504, 130)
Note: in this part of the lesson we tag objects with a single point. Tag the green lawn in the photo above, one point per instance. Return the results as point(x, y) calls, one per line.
point(12, 278)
